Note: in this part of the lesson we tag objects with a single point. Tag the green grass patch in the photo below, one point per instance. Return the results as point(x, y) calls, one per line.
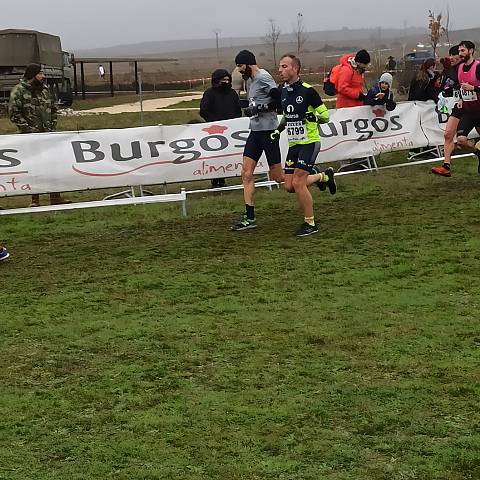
point(187, 104)
point(138, 345)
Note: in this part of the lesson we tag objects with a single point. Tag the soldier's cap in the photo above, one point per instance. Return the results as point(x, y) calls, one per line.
point(32, 70)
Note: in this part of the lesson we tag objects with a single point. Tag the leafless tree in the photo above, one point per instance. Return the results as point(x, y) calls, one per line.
point(271, 38)
point(436, 29)
point(299, 32)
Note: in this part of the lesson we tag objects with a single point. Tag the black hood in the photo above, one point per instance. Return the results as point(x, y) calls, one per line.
point(217, 75)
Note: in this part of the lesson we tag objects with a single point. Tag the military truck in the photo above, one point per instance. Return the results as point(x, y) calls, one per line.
point(18, 48)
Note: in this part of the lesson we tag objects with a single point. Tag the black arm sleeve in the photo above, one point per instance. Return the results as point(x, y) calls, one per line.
point(244, 103)
point(206, 105)
point(238, 110)
point(275, 95)
point(314, 98)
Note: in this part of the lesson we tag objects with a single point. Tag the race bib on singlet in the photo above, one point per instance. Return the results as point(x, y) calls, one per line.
point(296, 131)
point(469, 96)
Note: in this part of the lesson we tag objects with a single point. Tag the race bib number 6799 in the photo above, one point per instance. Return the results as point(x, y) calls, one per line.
point(296, 131)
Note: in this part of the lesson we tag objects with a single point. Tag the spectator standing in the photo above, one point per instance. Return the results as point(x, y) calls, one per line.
point(350, 79)
point(32, 109)
point(424, 85)
point(391, 65)
point(220, 102)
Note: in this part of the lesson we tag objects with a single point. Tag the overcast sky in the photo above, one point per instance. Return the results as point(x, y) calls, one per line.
point(99, 23)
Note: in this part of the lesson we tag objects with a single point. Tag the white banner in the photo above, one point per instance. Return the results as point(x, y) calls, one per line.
point(67, 161)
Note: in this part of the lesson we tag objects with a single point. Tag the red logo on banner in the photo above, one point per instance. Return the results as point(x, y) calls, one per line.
point(379, 112)
point(215, 129)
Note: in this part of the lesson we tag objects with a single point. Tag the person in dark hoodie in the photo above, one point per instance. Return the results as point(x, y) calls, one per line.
point(380, 95)
point(220, 102)
point(424, 85)
point(449, 85)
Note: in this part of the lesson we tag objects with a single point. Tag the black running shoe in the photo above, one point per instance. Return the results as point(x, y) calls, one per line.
point(3, 253)
point(306, 229)
point(331, 184)
point(321, 185)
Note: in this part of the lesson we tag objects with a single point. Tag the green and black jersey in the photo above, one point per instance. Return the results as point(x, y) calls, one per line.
point(298, 99)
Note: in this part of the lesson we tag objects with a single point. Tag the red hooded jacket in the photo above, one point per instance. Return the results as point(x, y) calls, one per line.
point(349, 84)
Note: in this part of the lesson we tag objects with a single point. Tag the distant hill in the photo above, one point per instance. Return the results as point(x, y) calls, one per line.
point(472, 34)
point(378, 35)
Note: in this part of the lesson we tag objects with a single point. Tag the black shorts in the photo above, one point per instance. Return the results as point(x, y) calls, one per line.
point(457, 112)
point(301, 156)
point(259, 142)
point(468, 121)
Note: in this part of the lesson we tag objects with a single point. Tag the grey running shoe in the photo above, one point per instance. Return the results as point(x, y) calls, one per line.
point(244, 224)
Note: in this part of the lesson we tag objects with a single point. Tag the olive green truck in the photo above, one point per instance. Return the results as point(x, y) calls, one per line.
point(18, 48)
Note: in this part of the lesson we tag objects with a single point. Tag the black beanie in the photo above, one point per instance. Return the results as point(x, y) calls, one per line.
point(362, 57)
point(217, 75)
point(32, 70)
point(245, 57)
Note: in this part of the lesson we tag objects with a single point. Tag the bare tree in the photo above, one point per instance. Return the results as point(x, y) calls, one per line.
point(299, 32)
point(271, 38)
point(436, 29)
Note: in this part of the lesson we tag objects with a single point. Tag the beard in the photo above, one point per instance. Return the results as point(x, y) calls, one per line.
point(37, 84)
point(247, 74)
point(465, 58)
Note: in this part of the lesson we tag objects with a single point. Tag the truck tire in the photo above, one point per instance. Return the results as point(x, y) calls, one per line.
point(67, 94)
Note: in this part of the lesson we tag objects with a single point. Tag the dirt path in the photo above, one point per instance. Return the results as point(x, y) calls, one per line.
point(148, 105)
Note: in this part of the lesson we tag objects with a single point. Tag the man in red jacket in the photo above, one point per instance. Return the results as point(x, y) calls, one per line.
point(350, 81)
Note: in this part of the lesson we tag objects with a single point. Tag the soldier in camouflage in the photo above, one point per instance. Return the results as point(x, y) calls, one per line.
point(32, 109)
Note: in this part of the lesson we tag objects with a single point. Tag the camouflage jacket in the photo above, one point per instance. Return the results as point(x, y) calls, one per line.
point(31, 111)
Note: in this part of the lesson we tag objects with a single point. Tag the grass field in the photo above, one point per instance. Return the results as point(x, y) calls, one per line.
point(139, 345)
